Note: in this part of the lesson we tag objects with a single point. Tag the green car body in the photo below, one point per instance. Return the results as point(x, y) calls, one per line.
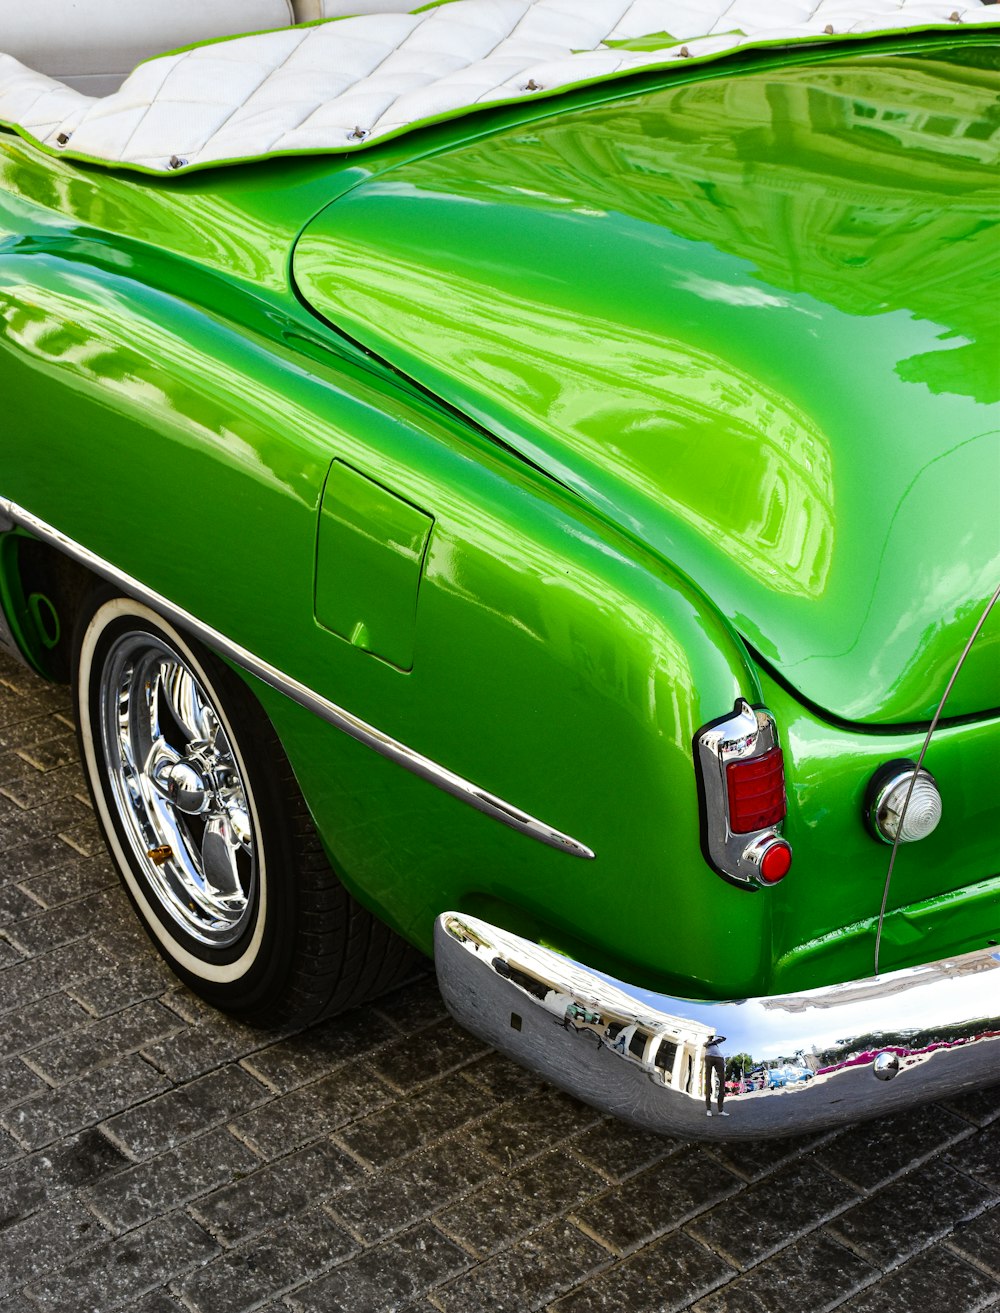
point(536, 440)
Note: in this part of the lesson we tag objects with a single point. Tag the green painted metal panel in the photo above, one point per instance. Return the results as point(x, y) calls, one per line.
point(369, 559)
point(752, 321)
point(577, 618)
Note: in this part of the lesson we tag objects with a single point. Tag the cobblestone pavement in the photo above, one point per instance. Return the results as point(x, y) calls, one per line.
point(155, 1156)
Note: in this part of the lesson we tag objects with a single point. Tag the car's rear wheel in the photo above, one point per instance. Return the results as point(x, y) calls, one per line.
point(204, 820)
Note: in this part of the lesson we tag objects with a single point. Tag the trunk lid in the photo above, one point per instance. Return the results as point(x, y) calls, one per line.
point(752, 320)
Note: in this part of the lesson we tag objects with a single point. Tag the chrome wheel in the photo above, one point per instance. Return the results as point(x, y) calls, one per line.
point(204, 820)
point(180, 794)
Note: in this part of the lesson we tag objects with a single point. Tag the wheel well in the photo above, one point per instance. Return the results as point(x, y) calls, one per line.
point(46, 592)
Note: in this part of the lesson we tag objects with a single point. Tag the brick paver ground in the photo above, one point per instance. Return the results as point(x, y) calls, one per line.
point(157, 1157)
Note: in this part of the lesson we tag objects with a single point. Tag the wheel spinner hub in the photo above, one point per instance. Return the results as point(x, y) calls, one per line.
point(181, 784)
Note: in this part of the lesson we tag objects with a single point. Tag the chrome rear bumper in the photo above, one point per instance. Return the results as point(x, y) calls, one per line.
point(818, 1058)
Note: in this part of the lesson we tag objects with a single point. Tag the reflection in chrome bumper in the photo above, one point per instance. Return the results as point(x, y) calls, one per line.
point(813, 1059)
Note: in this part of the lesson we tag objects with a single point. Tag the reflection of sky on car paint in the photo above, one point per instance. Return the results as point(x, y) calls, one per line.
point(748, 295)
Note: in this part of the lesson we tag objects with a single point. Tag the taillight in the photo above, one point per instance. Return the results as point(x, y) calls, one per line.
point(741, 777)
point(756, 790)
point(776, 862)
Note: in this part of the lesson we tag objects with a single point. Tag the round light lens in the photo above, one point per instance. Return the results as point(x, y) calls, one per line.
point(776, 862)
point(922, 812)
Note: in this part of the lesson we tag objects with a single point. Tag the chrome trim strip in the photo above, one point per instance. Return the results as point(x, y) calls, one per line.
point(819, 1057)
point(386, 746)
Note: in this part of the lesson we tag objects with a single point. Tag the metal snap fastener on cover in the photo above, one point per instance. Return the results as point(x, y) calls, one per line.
point(886, 1065)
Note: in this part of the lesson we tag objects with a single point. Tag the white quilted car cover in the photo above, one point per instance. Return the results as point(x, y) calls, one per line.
point(341, 84)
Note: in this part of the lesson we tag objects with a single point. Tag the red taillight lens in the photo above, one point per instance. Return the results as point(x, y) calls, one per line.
point(756, 791)
point(776, 863)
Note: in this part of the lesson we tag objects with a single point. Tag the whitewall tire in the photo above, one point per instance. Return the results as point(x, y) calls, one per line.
point(205, 823)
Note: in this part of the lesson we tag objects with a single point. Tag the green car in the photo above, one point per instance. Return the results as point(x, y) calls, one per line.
point(524, 486)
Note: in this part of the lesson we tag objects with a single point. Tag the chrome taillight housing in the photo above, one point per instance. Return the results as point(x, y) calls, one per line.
point(741, 781)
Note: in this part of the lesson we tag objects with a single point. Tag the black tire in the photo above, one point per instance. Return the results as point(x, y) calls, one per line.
point(209, 832)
